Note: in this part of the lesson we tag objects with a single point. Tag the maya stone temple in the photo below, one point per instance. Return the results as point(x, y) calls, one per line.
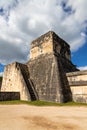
point(49, 75)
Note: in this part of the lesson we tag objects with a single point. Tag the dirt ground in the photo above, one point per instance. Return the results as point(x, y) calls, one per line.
point(25, 117)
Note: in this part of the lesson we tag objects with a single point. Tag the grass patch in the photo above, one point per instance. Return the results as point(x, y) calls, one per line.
point(41, 103)
point(35, 103)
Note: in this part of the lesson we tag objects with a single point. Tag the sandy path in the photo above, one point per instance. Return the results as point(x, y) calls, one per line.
point(24, 117)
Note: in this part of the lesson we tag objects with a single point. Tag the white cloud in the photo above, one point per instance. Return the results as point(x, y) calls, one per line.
point(6, 3)
point(82, 68)
point(27, 19)
point(80, 6)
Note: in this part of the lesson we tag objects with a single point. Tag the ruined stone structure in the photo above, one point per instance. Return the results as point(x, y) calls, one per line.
point(78, 85)
point(47, 75)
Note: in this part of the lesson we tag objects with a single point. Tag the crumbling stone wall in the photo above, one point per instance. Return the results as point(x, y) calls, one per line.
point(78, 84)
point(47, 76)
point(50, 43)
point(8, 96)
point(61, 47)
point(13, 81)
point(38, 48)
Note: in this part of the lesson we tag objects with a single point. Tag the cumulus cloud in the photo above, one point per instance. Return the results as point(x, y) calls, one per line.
point(21, 21)
point(82, 68)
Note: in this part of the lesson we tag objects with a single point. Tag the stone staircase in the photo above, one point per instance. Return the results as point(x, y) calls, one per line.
point(29, 83)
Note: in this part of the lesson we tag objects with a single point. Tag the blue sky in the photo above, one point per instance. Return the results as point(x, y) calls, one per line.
point(1, 68)
point(79, 58)
point(21, 21)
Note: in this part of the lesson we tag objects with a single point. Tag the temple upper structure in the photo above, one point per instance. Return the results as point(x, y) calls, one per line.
point(49, 43)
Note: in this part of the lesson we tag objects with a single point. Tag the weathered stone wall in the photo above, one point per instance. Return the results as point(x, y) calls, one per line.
point(47, 78)
point(13, 81)
point(26, 76)
point(8, 96)
point(42, 45)
point(78, 84)
point(68, 66)
point(50, 43)
point(44, 77)
point(61, 47)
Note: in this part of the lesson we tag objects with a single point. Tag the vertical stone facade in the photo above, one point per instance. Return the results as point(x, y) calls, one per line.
point(78, 85)
point(49, 79)
point(13, 81)
point(38, 48)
